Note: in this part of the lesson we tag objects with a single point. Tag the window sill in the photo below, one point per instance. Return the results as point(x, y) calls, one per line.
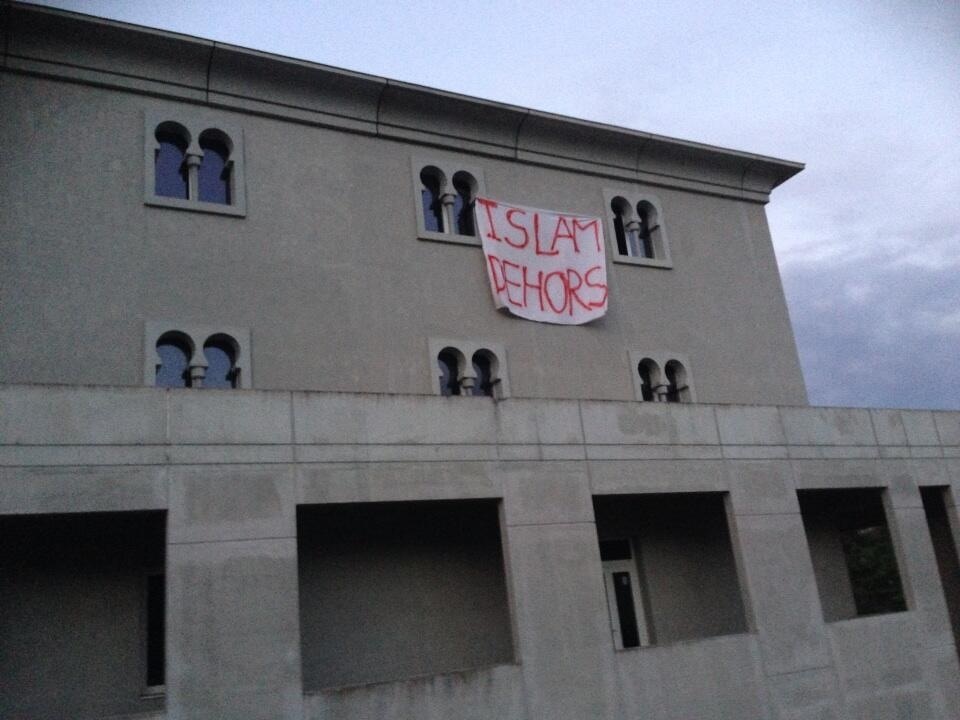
point(643, 262)
point(196, 206)
point(745, 634)
point(449, 238)
point(877, 616)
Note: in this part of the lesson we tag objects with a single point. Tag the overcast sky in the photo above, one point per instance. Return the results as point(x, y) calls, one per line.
point(866, 94)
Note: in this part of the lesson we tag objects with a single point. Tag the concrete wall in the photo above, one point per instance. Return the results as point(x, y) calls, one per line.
point(231, 469)
point(327, 255)
point(73, 611)
point(399, 590)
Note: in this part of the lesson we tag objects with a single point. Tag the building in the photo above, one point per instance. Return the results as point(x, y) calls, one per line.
point(364, 492)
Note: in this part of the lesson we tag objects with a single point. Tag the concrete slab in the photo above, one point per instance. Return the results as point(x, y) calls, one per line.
point(942, 671)
point(783, 592)
point(82, 489)
point(231, 502)
point(762, 487)
point(655, 681)
point(385, 482)
point(494, 693)
point(806, 695)
point(322, 418)
point(749, 425)
point(538, 421)
point(648, 423)
point(948, 427)
point(57, 414)
point(920, 427)
point(888, 426)
point(651, 476)
point(878, 663)
point(827, 426)
point(539, 493)
point(215, 417)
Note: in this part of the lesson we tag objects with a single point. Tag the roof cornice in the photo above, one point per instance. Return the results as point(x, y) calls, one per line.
point(80, 48)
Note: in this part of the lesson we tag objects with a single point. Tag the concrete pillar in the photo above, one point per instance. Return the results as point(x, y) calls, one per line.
point(563, 629)
point(781, 590)
point(925, 598)
point(233, 634)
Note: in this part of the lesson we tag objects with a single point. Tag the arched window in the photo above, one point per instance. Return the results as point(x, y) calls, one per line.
point(484, 367)
point(649, 379)
point(174, 351)
point(466, 187)
point(648, 226)
point(213, 177)
point(221, 354)
point(620, 209)
point(170, 166)
point(432, 206)
point(449, 372)
point(676, 376)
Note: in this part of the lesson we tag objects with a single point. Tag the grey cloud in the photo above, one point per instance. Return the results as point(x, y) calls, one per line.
point(877, 334)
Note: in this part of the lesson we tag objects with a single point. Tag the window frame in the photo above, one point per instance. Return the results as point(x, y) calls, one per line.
point(196, 124)
point(466, 349)
point(449, 166)
point(198, 336)
point(661, 358)
point(661, 246)
point(629, 566)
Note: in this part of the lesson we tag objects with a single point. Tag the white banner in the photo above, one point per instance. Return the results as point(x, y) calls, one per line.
point(544, 265)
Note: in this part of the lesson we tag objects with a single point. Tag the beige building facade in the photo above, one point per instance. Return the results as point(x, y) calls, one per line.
point(269, 451)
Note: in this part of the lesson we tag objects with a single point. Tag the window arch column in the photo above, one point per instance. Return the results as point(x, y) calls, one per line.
point(447, 202)
point(193, 160)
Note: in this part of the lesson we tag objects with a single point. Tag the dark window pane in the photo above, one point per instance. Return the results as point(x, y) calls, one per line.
point(155, 630)
point(673, 393)
point(171, 171)
point(646, 238)
point(646, 384)
point(220, 365)
point(174, 356)
point(430, 201)
point(449, 375)
point(615, 550)
point(463, 207)
point(484, 382)
point(621, 234)
point(214, 173)
point(629, 634)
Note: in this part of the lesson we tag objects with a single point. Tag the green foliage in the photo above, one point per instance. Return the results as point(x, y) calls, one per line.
point(872, 565)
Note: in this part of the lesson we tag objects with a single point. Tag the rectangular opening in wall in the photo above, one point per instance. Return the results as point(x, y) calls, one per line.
point(400, 589)
point(854, 560)
point(669, 568)
point(944, 534)
point(81, 613)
